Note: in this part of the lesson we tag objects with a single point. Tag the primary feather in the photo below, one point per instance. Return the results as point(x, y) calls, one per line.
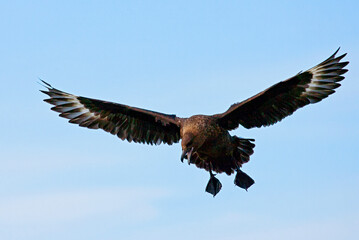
point(283, 98)
point(132, 124)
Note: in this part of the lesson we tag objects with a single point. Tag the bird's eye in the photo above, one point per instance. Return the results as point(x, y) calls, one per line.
point(189, 143)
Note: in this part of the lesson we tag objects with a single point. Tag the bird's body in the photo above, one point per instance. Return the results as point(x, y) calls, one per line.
point(210, 139)
point(214, 148)
point(206, 141)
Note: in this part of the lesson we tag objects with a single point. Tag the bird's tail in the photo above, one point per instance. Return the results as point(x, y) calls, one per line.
point(244, 149)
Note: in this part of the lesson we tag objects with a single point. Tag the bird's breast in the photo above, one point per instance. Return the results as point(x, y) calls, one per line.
point(210, 138)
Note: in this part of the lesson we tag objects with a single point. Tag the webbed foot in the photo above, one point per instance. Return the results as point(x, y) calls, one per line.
point(213, 185)
point(242, 180)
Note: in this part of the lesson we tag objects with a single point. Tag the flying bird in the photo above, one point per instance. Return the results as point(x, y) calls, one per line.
point(206, 141)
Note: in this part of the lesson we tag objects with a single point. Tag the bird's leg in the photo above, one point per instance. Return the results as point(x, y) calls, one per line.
point(213, 185)
point(242, 180)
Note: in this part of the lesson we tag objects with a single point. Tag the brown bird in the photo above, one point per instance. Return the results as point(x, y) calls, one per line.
point(206, 141)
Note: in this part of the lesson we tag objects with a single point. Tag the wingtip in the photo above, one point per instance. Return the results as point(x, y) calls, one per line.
point(334, 57)
point(335, 53)
point(44, 84)
point(337, 50)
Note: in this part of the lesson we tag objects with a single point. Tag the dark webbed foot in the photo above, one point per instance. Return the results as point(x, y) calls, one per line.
point(242, 180)
point(214, 185)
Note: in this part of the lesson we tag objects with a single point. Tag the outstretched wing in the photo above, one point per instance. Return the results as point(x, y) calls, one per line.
point(283, 98)
point(133, 124)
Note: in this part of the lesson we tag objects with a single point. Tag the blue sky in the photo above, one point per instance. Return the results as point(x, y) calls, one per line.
point(60, 181)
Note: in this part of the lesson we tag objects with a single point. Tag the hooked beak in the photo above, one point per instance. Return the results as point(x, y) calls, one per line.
point(187, 153)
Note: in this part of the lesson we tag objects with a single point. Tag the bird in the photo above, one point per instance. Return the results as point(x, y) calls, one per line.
point(205, 139)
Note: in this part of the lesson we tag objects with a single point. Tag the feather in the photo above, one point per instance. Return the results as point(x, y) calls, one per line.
point(132, 124)
point(284, 98)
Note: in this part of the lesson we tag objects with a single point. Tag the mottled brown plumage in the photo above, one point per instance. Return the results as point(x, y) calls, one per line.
point(214, 148)
point(206, 141)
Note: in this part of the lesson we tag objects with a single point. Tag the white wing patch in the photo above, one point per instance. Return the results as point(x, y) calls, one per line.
point(125, 126)
point(70, 107)
point(325, 79)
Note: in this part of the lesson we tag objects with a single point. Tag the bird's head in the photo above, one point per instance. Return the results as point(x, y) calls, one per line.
point(188, 146)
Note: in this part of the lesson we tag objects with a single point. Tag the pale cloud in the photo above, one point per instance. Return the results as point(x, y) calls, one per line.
point(131, 204)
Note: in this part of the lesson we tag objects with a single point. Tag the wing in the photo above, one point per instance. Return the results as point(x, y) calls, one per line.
point(284, 98)
point(133, 124)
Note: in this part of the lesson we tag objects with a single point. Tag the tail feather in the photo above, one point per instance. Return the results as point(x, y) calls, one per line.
point(244, 149)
